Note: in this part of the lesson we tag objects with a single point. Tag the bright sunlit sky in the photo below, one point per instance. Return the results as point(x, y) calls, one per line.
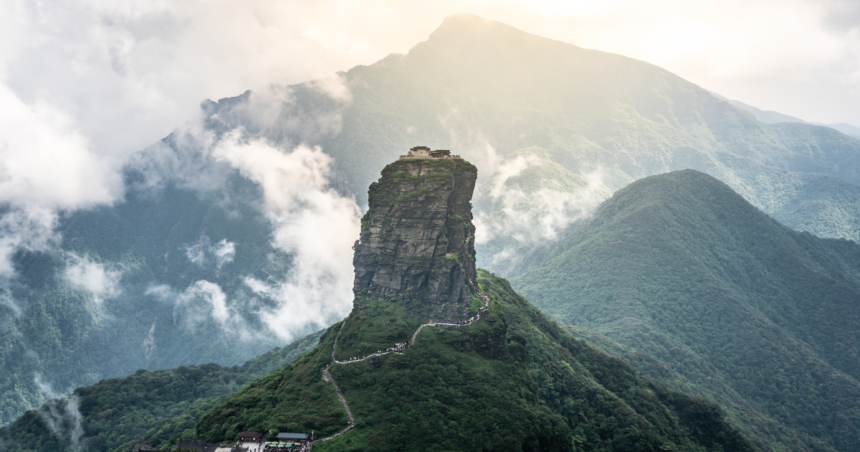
point(89, 81)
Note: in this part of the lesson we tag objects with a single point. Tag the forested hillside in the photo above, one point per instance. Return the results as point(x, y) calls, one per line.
point(698, 289)
point(159, 259)
point(512, 381)
point(155, 408)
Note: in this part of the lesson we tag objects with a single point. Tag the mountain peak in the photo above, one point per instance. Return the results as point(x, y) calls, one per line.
point(415, 260)
point(465, 26)
point(685, 194)
point(467, 34)
point(469, 23)
point(679, 267)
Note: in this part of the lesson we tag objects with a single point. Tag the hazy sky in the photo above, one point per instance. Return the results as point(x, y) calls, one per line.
point(85, 82)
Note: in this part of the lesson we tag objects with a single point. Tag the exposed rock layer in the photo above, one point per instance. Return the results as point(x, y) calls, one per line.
point(417, 238)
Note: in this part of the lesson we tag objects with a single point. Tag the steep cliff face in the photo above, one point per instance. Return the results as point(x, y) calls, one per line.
point(417, 239)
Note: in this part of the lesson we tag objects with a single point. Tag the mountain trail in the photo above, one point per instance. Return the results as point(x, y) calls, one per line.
point(326, 375)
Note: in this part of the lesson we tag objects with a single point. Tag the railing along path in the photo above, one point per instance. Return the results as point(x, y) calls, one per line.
point(326, 375)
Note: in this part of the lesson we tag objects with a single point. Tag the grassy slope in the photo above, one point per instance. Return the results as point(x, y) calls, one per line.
point(703, 292)
point(156, 408)
point(514, 382)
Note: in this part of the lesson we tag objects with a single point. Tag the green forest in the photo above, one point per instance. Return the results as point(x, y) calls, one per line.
point(514, 381)
point(155, 408)
point(699, 290)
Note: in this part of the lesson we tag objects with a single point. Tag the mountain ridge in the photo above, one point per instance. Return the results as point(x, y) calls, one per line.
point(770, 116)
point(682, 273)
point(502, 378)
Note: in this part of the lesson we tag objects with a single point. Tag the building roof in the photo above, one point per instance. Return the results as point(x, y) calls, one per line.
point(252, 434)
point(419, 147)
point(292, 436)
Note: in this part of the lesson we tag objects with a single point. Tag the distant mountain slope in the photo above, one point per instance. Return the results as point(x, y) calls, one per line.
point(154, 408)
point(701, 290)
point(847, 129)
point(476, 85)
point(769, 116)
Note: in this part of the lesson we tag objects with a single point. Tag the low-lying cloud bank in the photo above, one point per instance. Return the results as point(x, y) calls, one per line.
point(516, 213)
point(60, 415)
point(313, 226)
point(204, 253)
point(94, 277)
point(312, 223)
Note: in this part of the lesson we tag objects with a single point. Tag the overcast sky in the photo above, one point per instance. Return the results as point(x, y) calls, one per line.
point(83, 83)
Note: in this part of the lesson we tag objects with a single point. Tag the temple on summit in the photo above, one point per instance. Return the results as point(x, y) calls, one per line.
point(423, 152)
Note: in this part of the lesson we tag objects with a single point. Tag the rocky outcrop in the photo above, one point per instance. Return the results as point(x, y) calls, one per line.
point(417, 238)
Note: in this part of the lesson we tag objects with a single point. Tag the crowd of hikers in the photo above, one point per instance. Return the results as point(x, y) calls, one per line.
point(467, 321)
point(483, 297)
point(302, 446)
point(398, 347)
point(298, 446)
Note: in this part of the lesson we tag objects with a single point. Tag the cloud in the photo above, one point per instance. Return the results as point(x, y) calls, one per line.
point(183, 159)
point(471, 144)
point(61, 416)
point(212, 297)
point(843, 16)
point(45, 162)
point(94, 277)
point(334, 86)
point(204, 253)
point(150, 348)
point(199, 303)
point(312, 223)
point(514, 214)
point(85, 85)
point(223, 252)
point(271, 113)
point(46, 165)
point(22, 229)
point(314, 228)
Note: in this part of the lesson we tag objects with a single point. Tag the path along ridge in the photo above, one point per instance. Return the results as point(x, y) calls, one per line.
point(326, 375)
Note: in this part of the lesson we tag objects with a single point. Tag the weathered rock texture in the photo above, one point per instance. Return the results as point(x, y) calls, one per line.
point(417, 238)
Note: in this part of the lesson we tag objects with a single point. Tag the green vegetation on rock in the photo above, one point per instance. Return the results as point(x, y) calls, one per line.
point(512, 381)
